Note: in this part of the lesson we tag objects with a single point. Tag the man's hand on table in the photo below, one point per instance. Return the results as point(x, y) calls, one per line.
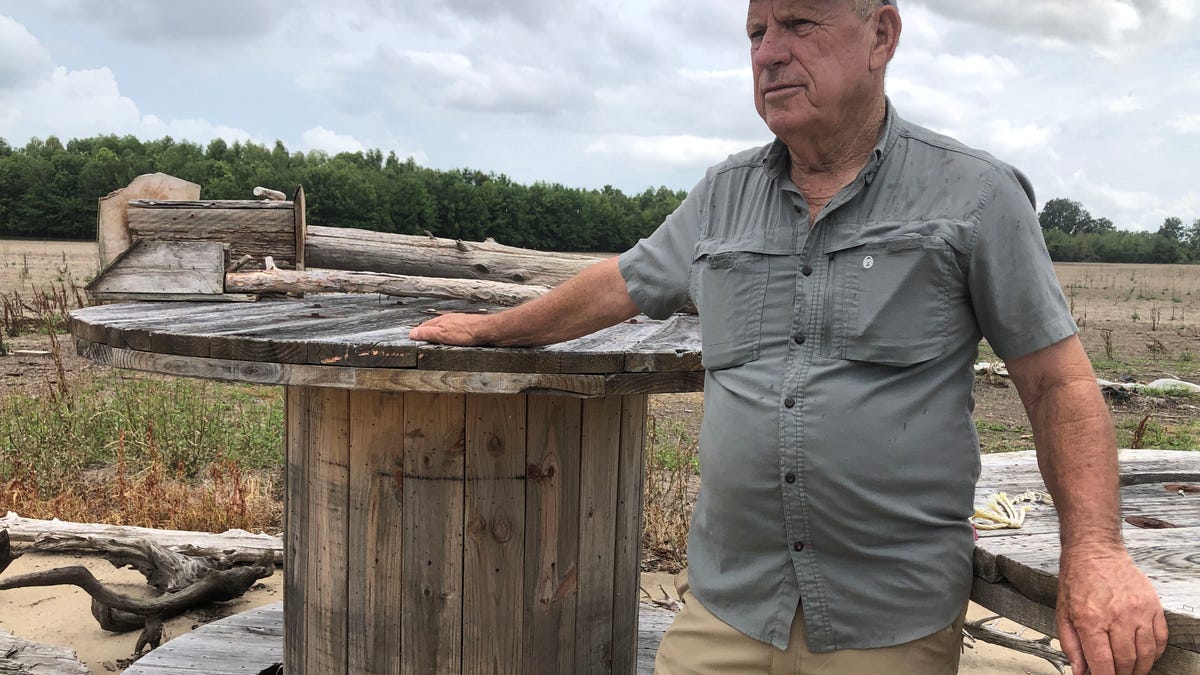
point(452, 329)
point(1110, 620)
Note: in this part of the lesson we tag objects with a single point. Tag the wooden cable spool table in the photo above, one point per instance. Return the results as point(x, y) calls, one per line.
point(448, 510)
point(1016, 570)
point(456, 510)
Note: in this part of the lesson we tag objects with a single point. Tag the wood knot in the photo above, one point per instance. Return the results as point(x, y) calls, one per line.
point(502, 529)
point(536, 474)
point(476, 525)
point(481, 268)
point(495, 446)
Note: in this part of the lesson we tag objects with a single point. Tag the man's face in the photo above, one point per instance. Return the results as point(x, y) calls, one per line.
point(811, 62)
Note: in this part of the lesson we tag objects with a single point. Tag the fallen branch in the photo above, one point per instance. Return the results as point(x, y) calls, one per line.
point(223, 550)
point(338, 281)
point(118, 613)
point(980, 630)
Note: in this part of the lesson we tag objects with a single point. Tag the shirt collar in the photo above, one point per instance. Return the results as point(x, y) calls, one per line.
point(775, 164)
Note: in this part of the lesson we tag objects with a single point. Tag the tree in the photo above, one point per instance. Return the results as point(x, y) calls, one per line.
point(1172, 228)
point(1065, 215)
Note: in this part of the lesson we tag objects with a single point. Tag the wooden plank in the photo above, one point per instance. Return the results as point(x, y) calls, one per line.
point(600, 456)
point(112, 222)
point(376, 531)
point(494, 548)
point(176, 267)
point(211, 204)
point(380, 379)
point(300, 216)
point(296, 509)
point(1008, 602)
point(248, 227)
point(434, 466)
point(325, 610)
point(174, 297)
point(628, 522)
point(552, 533)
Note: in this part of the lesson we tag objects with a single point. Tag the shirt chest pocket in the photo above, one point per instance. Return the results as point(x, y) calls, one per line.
point(888, 301)
point(728, 287)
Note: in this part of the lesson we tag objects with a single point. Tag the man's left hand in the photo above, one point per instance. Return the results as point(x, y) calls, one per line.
point(1110, 620)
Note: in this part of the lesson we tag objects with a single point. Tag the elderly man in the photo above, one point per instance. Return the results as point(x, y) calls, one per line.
point(844, 275)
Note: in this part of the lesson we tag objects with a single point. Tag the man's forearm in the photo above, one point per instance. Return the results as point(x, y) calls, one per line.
point(1076, 448)
point(595, 298)
point(1078, 459)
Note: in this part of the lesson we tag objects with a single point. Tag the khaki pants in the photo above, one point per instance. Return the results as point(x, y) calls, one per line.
point(698, 643)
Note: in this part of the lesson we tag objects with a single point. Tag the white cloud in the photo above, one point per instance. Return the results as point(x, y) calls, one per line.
point(22, 57)
point(1186, 124)
point(1124, 104)
point(667, 151)
point(1006, 138)
point(320, 138)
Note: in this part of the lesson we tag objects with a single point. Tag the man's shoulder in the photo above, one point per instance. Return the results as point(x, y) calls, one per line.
point(921, 139)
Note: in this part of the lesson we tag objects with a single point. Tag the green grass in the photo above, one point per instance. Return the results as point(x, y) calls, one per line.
point(670, 447)
point(183, 424)
point(1161, 435)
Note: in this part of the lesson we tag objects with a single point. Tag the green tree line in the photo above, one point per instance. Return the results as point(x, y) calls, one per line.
point(1073, 235)
point(49, 190)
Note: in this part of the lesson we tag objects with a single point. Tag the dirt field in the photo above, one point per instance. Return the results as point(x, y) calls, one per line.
point(26, 265)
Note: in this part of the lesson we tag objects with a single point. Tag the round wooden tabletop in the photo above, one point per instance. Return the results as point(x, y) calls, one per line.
point(361, 342)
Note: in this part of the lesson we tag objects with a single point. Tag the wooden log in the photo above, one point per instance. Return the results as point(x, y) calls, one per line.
point(22, 657)
point(113, 222)
point(338, 281)
point(228, 548)
point(351, 249)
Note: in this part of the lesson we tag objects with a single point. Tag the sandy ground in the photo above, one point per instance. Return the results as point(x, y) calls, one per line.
point(61, 616)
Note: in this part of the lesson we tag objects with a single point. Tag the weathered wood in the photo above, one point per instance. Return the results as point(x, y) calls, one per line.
point(299, 213)
point(269, 194)
point(328, 472)
point(434, 469)
point(552, 533)
point(376, 532)
point(337, 281)
point(628, 522)
point(176, 267)
point(228, 548)
point(494, 547)
point(600, 460)
point(1017, 570)
point(243, 644)
point(351, 249)
point(23, 657)
point(113, 224)
point(297, 511)
point(255, 228)
point(333, 329)
point(252, 641)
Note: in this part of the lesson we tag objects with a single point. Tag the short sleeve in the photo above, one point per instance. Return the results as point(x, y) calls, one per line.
point(1017, 298)
point(658, 268)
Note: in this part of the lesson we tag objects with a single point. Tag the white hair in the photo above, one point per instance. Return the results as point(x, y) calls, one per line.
point(865, 8)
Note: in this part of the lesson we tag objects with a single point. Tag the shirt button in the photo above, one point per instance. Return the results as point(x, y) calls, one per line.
point(791, 478)
point(800, 339)
point(806, 271)
point(799, 209)
point(798, 546)
point(789, 403)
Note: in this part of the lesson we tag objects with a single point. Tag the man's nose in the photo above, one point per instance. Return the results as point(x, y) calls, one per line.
point(772, 49)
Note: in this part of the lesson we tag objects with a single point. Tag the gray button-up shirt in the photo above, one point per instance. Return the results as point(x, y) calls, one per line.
point(838, 455)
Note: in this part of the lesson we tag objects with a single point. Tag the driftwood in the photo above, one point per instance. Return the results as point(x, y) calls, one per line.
point(980, 630)
point(18, 656)
point(194, 582)
point(428, 256)
point(338, 281)
point(223, 550)
point(269, 194)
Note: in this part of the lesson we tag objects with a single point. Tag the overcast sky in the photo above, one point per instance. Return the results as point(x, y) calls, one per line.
point(1096, 100)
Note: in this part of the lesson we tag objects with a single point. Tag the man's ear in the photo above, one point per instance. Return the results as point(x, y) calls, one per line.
point(887, 36)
